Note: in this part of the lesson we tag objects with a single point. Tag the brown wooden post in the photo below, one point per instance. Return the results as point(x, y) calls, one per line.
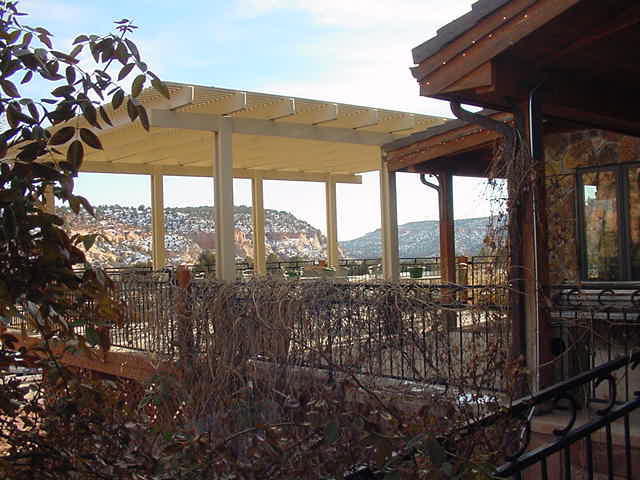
point(447, 232)
point(184, 321)
point(447, 243)
point(534, 256)
point(516, 274)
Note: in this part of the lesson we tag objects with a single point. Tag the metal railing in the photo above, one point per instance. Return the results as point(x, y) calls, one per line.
point(597, 445)
point(584, 447)
point(476, 270)
point(406, 331)
point(594, 324)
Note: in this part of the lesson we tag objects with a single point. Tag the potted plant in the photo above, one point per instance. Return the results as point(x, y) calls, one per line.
point(415, 271)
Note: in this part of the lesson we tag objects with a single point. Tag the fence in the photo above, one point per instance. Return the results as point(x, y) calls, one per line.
point(405, 331)
point(594, 324)
point(476, 270)
point(583, 448)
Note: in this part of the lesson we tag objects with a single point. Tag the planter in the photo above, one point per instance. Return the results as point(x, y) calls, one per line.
point(292, 273)
point(415, 272)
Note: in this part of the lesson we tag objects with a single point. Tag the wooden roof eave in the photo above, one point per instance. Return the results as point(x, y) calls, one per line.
point(493, 35)
point(484, 66)
point(447, 145)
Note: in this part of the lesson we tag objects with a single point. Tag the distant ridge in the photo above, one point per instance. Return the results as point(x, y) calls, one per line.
point(421, 239)
point(189, 231)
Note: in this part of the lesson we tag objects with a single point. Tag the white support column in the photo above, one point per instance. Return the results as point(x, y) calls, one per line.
point(257, 217)
point(223, 181)
point(49, 200)
point(332, 223)
point(157, 222)
point(389, 216)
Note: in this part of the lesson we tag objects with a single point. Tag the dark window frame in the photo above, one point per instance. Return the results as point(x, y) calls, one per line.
point(621, 171)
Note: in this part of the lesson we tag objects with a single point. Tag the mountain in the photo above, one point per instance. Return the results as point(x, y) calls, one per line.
point(126, 234)
point(421, 239)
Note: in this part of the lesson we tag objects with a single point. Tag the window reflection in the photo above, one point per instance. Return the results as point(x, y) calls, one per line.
point(633, 180)
point(601, 225)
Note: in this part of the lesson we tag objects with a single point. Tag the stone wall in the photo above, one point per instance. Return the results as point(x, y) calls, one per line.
point(564, 153)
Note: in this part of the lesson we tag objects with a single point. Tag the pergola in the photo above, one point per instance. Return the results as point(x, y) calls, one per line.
point(225, 134)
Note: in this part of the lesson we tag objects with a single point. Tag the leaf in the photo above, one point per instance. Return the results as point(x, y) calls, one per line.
point(80, 39)
point(87, 206)
point(125, 70)
point(144, 119)
point(9, 88)
point(12, 37)
point(122, 54)
point(331, 432)
point(104, 116)
point(89, 112)
point(89, 240)
point(62, 136)
point(90, 138)
point(26, 39)
point(75, 153)
point(95, 53)
point(133, 48)
point(62, 91)
point(27, 77)
point(76, 50)
point(161, 88)
point(136, 87)
point(44, 38)
point(64, 57)
point(132, 110)
point(117, 99)
point(70, 73)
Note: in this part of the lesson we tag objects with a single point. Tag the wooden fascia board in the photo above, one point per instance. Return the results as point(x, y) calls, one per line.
point(400, 159)
point(195, 171)
point(252, 126)
point(479, 78)
point(483, 49)
point(482, 29)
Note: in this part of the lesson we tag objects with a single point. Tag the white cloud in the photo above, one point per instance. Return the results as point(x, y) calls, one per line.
point(368, 54)
point(427, 15)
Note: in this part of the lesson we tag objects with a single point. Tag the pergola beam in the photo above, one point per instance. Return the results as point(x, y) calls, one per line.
point(194, 171)
point(254, 126)
point(324, 113)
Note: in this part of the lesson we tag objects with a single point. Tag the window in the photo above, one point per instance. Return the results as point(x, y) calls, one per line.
point(609, 222)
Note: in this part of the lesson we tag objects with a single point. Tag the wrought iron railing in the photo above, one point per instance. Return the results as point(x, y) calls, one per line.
point(476, 270)
point(578, 449)
point(409, 331)
point(593, 444)
point(593, 324)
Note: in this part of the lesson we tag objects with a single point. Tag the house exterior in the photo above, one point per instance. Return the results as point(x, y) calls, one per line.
point(559, 78)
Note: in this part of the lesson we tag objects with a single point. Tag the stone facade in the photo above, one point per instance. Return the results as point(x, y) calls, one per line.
point(564, 153)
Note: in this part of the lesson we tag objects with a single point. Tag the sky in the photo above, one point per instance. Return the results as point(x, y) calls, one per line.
point(345, 51)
